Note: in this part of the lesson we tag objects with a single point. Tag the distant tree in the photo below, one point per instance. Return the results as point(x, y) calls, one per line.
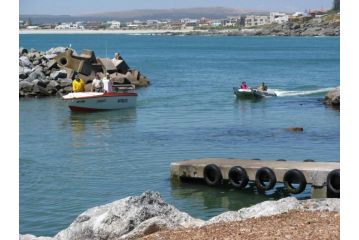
point(336, 5)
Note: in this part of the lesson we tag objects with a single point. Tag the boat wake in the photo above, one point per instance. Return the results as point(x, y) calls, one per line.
point(284, 93)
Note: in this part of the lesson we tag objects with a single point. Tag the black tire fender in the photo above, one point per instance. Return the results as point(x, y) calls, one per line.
point(265, 174)
point(294, 176)
point(333, 182)
point(238, 177)
point(212, 174)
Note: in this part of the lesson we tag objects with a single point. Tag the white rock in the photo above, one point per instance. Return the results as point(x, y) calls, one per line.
point(128, 218)
point(269, 208)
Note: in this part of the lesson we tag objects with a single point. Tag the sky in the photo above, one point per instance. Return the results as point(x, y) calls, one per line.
point(73, 7)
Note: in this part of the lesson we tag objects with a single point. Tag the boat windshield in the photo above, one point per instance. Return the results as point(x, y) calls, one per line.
point(123, 88)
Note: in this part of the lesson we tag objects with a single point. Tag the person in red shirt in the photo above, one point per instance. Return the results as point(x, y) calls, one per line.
point(244, 85)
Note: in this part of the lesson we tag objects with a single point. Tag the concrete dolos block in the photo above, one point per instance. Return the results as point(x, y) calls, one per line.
point(88, 55)
point(77, 63)
point(121, 66)
point(107, 65)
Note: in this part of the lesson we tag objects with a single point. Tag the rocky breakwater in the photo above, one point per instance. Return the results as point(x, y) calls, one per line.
point(328, 25)
point(138, 216)
point(49, 73)
point(324, 26)
point(332, 98)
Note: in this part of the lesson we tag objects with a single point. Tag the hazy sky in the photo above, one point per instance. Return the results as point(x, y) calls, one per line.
point(74, 7)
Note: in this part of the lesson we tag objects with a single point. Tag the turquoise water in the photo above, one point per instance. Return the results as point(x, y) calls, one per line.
point(70, 162)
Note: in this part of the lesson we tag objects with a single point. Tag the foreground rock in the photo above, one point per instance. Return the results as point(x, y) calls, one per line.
point(128, 218)
point(332, 98)
point(138, 216)
point(269, 208)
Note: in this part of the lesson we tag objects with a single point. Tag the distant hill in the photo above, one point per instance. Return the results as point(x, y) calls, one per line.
point(144, 14)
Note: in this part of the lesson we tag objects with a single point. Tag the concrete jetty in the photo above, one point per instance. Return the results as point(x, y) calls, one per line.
point(315, 173)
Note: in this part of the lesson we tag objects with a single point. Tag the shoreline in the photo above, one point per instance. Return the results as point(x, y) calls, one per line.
point(88, 31)
point(189, 32)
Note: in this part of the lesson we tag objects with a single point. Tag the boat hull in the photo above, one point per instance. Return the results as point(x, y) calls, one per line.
point(252, 93)
point(100, 101)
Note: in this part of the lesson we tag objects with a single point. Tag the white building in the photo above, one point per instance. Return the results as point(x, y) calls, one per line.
point(232, 21)
point(69, 26)
point(215, 23)
point(299, 14)
point(189, 20)
point(32, 27)
point(114, 24)
point(276, 17)
point(152, 22)
point(252, 20)
point(132, 26)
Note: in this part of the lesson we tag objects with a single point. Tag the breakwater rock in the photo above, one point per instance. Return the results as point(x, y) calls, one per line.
point(49, 73)
point(284, 205)
point(332, 98)
point(137, 216)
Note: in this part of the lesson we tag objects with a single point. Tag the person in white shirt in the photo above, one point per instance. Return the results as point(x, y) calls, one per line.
point(97, 84)
point(107, 83)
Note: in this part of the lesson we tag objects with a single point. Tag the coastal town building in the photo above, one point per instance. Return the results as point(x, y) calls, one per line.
point(232, 21)
point(277, 17)
point(153, 22)
point(252, 20)
point(176, 25)
point(188, 20)
point(114, 24)
point(299, 17)
point(215, 23)
point(47, 26)
point(32, 27)
point(77, 25)
point(94, 25)
point(299, 14)
point(204, 22)
point(316, 13)
point(132, 26)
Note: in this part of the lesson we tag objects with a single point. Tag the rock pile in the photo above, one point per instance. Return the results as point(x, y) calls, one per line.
point(137, 216)
point(48, 73)
point(128, 218)
point(332, 98)
point(269, 208)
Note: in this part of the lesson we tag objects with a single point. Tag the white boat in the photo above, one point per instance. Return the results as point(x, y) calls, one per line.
point(253, 93)
point(122, 97)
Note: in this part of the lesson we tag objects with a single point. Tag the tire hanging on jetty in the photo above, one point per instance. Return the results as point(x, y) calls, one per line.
point(333, 183)
point(263, 175)
point(238, 177)
point(294, 176)
point(212, 175)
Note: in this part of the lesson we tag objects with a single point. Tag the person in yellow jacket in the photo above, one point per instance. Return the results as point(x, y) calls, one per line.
point(78, 85)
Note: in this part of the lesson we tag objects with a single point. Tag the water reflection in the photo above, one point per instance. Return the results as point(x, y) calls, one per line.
point(223, 198)
point(100, 120)
point(246, 104)
point(84, 125)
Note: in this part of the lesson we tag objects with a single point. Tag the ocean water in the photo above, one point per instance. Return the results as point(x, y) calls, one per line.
point(70, 162)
